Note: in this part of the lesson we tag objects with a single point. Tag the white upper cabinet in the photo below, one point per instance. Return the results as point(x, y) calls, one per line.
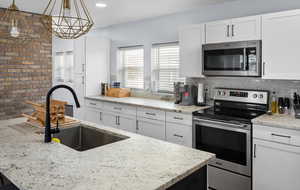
point(79, 55)
point(280, 47)
point(246, 28)
point(217, 32)
point(238, 29)
point(191, 39)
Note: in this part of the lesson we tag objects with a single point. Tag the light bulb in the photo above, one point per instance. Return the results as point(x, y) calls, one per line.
point(14, 32)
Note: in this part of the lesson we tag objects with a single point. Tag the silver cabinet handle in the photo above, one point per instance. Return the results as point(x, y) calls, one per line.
point(100, 114)
point(232, 30)
point(82, 67)
point(117, 108)
point(283, 136)
point(211, 188)
point(180, 136)
point(137, 125)
point(116, 120)
point(82, 80)
point(94, 104)
point(178, 118)
point(153, 114)
point(227, 34)
point(254, 151)
point(264, 68)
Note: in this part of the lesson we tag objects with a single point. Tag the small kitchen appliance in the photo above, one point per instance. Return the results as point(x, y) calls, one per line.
point(226, 130)
point(178, 89)
point(189, 95)
point(201, 95)
point(232, 59)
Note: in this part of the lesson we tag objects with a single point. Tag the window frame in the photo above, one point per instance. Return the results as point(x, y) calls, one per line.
point(155, 70)
point(122, 69)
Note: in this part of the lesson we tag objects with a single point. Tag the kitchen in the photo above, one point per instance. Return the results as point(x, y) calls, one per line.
point(237, 58)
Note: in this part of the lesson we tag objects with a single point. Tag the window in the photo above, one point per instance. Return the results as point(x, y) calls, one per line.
point(132, 67)
point(165, 66)
point(63, 67)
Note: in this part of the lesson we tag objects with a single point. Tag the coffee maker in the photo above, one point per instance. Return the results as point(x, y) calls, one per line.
point(185, 95)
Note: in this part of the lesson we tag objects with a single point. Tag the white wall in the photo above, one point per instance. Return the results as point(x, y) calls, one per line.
point(165, 29)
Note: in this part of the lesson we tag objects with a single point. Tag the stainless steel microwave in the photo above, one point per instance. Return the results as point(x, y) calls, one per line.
point(232, 59)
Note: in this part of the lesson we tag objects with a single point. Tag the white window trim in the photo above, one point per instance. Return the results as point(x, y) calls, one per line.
point(155, 70)
point(120, 66)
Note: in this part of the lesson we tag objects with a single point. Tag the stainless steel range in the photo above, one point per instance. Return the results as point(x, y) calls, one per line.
point(226, 130)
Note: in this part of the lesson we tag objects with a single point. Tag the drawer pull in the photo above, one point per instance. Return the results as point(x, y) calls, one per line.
point(219, 163)
point(116, 108)
point(178, 118)
point(153, 114)
point(180, 136)
point(283, 136)
point(94, 104)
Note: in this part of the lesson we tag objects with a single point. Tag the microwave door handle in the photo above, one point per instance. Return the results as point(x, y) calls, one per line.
point(245, 59)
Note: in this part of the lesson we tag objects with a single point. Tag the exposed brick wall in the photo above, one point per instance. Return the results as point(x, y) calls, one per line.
point(25, 70)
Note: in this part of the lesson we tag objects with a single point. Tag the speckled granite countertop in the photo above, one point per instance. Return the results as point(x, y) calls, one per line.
point(276, 120)
point(137, 163)
point(150, 103)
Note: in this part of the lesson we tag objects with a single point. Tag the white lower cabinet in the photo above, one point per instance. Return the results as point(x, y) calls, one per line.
point(276, 158)
point(275, 166)
point(151, 128)
point(110, 119)
point(127, 123)
point(179, 134)
point(93, 115)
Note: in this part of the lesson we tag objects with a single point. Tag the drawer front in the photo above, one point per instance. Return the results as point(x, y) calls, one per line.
point(185, 119)
point(94, 104)
point(151, 113)
point(179, 134)
point(280, 135)
point(119, 108)
point(151, 128)
point(220, 180)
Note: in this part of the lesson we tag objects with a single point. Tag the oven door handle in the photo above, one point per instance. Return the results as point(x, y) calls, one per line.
point(226, 126)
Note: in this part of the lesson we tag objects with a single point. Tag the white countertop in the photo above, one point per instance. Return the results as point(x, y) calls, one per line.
point(278, 120)
point(137, 163)
point(150, 103)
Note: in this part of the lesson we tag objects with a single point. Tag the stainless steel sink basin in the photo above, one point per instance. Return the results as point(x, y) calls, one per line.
point(82, 138)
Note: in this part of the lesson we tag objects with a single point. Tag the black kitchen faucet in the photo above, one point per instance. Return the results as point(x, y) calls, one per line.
point(48, 130)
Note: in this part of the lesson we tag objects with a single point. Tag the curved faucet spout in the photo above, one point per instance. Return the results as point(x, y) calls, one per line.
point(48, 130)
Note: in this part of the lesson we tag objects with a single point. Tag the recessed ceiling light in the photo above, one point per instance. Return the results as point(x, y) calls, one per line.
point(101, 5)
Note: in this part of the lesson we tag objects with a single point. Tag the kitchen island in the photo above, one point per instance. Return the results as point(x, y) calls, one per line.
point(135, 163)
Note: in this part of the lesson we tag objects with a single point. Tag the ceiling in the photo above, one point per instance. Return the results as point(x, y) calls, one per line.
point(121, 11)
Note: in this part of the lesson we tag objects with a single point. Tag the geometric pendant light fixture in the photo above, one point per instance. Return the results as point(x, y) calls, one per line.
point(67, 19)
point(17, 30)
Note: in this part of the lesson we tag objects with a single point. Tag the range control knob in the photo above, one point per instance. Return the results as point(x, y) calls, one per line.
point(261, 96)
point(223, 93)
point(255, 95)
point(219, 93)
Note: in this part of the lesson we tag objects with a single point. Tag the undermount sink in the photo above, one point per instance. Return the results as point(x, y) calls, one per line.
point(82, 138)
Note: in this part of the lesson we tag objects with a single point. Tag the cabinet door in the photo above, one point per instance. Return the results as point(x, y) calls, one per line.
point(93, 115)
point(246, 28)
point(179, 134)
point(217, 32)
point(127, 123)
point(79, 82)
point(191, 39)
point(109, 119)
point(151, 128)
point(79, 55)
point(275, 166)
point(280, 47)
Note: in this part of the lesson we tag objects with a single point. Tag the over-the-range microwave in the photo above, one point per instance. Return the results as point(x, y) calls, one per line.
point(232, 59)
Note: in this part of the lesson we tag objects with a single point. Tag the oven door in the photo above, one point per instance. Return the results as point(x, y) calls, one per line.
point(230, 142)
point(232, 59)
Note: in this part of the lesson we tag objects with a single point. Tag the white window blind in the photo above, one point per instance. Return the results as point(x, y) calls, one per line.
point(165, 64)
point(132, 63)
